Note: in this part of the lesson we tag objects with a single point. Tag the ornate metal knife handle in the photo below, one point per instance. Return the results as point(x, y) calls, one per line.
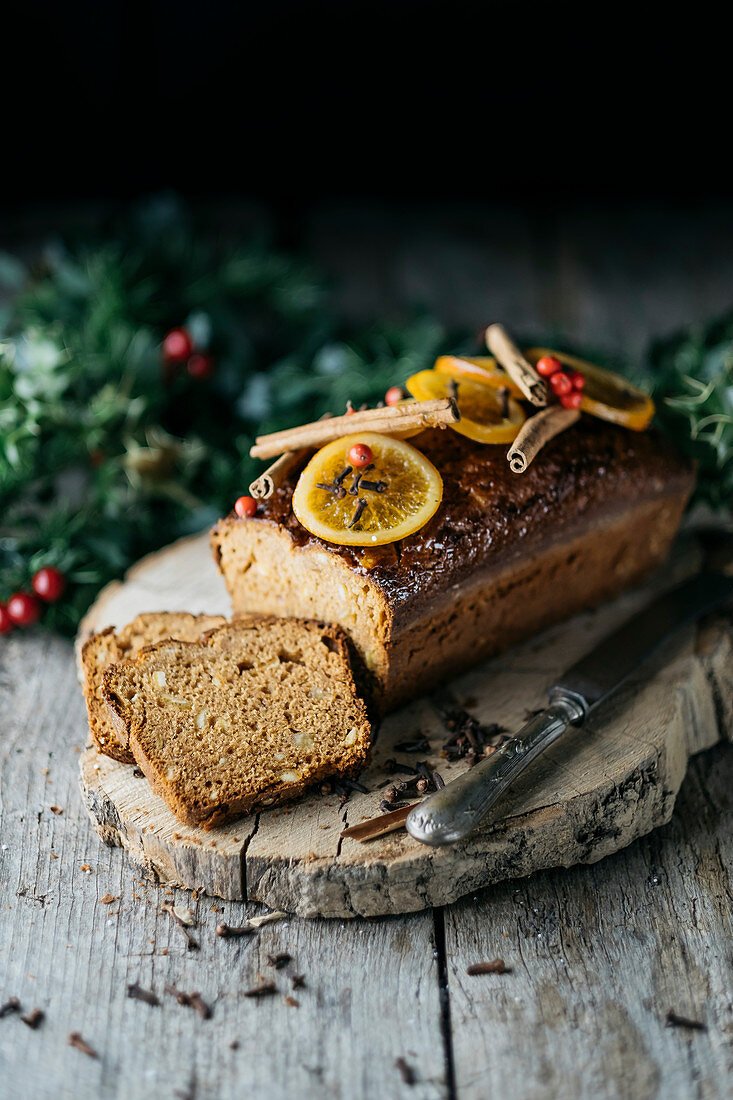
point(457, 809)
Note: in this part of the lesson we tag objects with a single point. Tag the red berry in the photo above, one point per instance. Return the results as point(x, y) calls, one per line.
point(548, 365)
point(177, 346)
point(560, 383)
point(200, 365)
point(49, 583)
point(571, 400)
point(394, 395)
point(360, 455)
point(24, 609)
point(6, 623)
point(246, 506)
point(577, 379)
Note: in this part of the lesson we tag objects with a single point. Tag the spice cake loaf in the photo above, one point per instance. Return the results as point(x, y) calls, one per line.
point(103, 649)
point(503, 556)
point(250, 716)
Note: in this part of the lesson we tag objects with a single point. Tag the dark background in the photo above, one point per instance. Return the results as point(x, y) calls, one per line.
point(564, 169)
point(297, 102)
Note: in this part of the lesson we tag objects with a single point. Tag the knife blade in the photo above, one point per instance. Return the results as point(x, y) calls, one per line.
point(455, 811)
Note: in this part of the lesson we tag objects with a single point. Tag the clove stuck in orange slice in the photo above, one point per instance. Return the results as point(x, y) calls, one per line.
point(391, 498)
point(487, 415)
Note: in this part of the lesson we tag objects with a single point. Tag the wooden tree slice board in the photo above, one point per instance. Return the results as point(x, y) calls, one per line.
point(592, 793)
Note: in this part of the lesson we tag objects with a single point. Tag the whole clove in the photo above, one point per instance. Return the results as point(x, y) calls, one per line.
point(387, 807)
point(137, 993)
point(673, 1020)
point(191, 941)
point(331, 487)
point(496, 966)
point(34, 1018)
point(191, 1000)
point(361, 505)
point(75, 1040)
point(298, 981)
point(421, 781)
point(280, 960)
point(374, 486)
point(226, 930)
point(406, 1071)
point(10, 1006)
point(264, 989)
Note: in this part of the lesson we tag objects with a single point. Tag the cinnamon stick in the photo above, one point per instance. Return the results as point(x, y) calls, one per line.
point(265, 485)
point(519, 369)
point(417, 414)
point(535, 432)
point(276, 474)
point(379, 826)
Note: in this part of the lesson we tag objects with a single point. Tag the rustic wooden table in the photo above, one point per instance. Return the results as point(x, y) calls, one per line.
point(598, 954)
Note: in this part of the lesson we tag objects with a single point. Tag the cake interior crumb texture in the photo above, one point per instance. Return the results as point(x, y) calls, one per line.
point(102, 649)
point(248, 718)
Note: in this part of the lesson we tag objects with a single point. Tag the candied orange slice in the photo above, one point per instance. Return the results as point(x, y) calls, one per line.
point(390, 499)
point(481, 368)
point(486, 416)
point(606, 395)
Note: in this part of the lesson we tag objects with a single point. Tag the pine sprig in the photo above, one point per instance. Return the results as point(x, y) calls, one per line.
point(103, 458)
point(693, 375)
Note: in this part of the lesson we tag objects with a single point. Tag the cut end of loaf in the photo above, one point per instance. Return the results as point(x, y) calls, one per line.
point(248, 718)
point(108, 732)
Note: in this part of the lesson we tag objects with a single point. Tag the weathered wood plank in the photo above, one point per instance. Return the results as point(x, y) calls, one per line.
point(371, 993)
point(598, 956)
point(596, 790)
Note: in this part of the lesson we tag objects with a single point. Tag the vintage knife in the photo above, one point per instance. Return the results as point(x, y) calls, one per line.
point(453, 812)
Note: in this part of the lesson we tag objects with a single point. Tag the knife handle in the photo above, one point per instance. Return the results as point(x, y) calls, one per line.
point(458, 808)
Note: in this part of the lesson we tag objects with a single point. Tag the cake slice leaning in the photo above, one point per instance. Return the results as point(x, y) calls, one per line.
point(102, 649)
point(250, 717)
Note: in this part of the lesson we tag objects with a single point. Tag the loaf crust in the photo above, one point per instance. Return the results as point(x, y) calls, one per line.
point(251, 716)
point(504, 555)
point(103, 649)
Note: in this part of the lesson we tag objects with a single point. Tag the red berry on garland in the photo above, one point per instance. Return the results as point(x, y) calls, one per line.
point(560, 383)
point(394, 395)
point(246, 506)
point(571, 400)
point(200, 365)
point(6, 623)
point(548, 365)
point(360, 455)
point(49, 584)
point(24, 609)
point(577, 379)
point(177, 346)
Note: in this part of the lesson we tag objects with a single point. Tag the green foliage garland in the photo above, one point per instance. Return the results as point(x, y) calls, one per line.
point(105, 455)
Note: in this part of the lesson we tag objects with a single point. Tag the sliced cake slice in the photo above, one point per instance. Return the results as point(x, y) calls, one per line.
point(259, 710)
point(101, 650)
